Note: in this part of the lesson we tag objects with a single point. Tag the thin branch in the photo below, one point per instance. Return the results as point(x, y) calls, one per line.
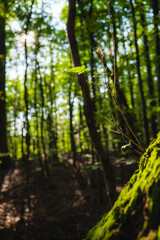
point(29, 17)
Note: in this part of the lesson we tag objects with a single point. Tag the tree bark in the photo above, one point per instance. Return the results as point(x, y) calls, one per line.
point(145, 120)
point(92, 44)
point(149, 77)
point(53, 137)
point(36, 112)
point(27, 107)
point(42, 124)
point(157, 42)
point(120, 93)
point(4, 154)
point(88, 108)
point(72, 139)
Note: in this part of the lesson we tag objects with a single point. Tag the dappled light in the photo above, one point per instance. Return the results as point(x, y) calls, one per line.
point(79, 119)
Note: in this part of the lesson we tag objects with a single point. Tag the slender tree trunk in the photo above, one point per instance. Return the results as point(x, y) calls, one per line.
point(27, 125)
point(4, 154)
point(80, 126)
point(157, 42)
point(129, 77)
point(63, 141)
point(26, 101)
point(149, 78)
point(36, 116)
point(73, 145)
point(105, 136)
point(52, 120)
point(88, 108)
point(42, 126)
point(121, 98)
point(145, 120)
point(37, 70)
point(27, 107)
point(92, 44)
point(22, 141)
point(15, 133)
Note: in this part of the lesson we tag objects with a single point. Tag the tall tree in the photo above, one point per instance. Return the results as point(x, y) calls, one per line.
point(143, 101)
point(35, 104)
point(121, 98)
point(88, 108)
point(72, 138)
point(157, 41)
point(149, 72)
point(4, 154)
point(29, 13)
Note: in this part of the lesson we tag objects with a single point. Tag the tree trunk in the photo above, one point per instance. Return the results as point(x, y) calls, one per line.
point(27, 125)
point(92, 45)
point(136, 213)
point(36, 115)
point(27, 107)
point(42, 125)
point(4, 154)
point(121, 98)
point(15, 134)
point(157, 42)
point(145, 120)
point(80, 126)
point(149, 78)
point(73, 145)
point(88, 108)
point(52, 119)
point(129, 75)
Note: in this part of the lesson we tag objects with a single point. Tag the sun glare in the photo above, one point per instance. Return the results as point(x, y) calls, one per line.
point(30, 37)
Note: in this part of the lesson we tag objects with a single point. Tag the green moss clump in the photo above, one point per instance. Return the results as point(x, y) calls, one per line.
point(136, 213)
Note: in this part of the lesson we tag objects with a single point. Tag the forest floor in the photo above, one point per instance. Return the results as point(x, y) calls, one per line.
point(64, 205)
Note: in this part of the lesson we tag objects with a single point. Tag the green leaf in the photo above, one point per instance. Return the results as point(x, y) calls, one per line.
point(79, 70)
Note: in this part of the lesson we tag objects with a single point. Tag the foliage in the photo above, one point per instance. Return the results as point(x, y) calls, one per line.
point(78, 70)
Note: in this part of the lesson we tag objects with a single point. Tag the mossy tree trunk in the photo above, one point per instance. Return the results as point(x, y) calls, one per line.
point(136, 213)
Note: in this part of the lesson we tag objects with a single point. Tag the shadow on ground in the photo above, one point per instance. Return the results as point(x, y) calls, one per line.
point(62, 206)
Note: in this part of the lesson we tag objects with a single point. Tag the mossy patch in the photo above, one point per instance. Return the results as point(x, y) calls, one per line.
point(136, 213)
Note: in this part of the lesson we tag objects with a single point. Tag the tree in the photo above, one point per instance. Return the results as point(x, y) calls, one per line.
point(143, 101)
point(72, 139)
point(88, 108)
point(149, 72)
point(157, 41)
point(4, 154)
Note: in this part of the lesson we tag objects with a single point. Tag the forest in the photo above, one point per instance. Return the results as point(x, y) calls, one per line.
point(79, 106)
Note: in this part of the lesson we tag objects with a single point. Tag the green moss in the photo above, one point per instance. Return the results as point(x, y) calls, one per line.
point(136, 213)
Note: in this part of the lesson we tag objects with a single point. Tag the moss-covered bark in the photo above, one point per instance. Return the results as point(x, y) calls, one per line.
point(136, 213)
